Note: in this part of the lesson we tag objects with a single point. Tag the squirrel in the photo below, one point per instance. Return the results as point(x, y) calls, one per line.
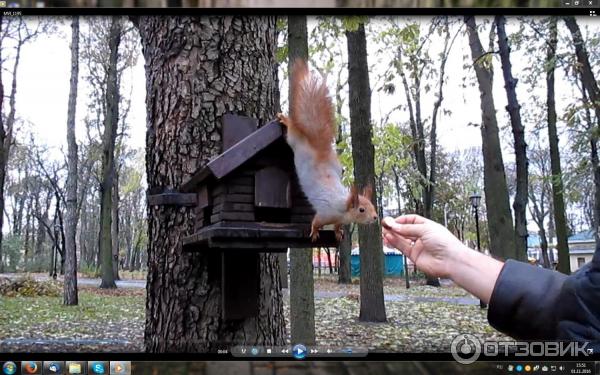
point(311, 132)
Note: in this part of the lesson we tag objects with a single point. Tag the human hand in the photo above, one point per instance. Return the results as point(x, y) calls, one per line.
point(426, 243)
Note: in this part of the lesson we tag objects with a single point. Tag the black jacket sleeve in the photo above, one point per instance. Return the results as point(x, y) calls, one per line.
point(532, 303)
point(523, 301)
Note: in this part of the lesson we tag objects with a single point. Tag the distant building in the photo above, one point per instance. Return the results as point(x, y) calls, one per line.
point(534, 249)
point(394, 262)
point(581, 249)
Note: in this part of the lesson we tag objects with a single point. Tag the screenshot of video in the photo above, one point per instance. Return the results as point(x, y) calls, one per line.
point(192, 181)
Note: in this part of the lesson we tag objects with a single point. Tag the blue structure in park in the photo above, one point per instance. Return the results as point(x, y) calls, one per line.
point(394, 262)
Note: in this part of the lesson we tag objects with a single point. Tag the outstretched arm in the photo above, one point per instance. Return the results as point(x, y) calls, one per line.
point(525, 302)
point(437, 252)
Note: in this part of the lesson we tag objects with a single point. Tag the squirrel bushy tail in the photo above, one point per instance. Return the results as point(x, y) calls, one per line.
point(311, 109)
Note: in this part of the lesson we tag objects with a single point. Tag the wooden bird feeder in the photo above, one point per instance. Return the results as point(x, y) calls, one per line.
point(247, 200)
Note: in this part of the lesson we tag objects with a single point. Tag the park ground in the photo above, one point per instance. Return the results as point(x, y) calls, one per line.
point(420, 319)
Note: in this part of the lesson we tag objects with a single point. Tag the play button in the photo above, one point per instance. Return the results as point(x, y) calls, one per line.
point(299, 351)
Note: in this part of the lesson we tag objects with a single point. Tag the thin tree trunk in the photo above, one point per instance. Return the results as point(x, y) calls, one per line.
point(544, 247)
point(513, 108)
point(229, 68)
point(302, 304)
point(345, 254)
point(429, 195)
point(6, 130)
point(114, 225)
point(41, 229)
point(590, 86)
point(28, 239)
point(70, 283)
point(499, 218)
point(557, 202)
point(3, 157)
point(108, 155)
point(330, 266)
point(372, 307)
point(319, 261)
point(398, 193)
point(423, 205)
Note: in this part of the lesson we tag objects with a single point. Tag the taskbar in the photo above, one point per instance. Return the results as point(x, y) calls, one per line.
point(299, 367)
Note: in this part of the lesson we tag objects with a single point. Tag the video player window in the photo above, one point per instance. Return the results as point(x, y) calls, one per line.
point(298, 184)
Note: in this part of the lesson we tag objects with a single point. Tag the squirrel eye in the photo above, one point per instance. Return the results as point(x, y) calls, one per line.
point(361, 209)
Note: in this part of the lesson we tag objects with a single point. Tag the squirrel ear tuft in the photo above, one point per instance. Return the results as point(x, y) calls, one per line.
point(368, 192)
point(353, 198)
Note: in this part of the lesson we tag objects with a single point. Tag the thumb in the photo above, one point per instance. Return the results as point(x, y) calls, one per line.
point(397, 242)
point(408, 230)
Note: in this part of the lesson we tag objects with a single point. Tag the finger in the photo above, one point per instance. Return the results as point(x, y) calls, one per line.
point(395, 233)
point(408, 230)
point(385, 242)
point(399, 243)
point(410, 219)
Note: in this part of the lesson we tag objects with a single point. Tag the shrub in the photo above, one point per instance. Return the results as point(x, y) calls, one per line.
point(29, 287)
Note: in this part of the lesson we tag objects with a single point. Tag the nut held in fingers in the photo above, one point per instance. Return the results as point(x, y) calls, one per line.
point(387, 223)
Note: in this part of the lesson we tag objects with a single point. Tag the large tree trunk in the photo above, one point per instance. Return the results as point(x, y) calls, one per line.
point(557, 202)
point(70, 283)
point(372, 307)
point(108, 158)
point(513, 108)
point(198, 69)
point(590, 86)
point(302, 302)
point(499, 218)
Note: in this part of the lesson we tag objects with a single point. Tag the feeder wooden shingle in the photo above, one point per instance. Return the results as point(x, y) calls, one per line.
point(248, 197)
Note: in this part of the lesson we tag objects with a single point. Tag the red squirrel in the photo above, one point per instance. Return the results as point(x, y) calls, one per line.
point(311, 132)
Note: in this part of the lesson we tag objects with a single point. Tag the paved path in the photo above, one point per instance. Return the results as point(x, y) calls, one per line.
point(403, 298)
point(320, 294)
point(82, 280)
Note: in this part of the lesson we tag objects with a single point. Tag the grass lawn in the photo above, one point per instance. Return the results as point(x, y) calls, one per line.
point(117, 317)
point(113, 320)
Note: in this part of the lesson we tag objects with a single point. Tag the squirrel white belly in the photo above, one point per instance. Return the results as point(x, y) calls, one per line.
point(311, 133)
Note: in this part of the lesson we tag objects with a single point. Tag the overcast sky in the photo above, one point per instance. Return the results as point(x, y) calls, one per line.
point(43, 88)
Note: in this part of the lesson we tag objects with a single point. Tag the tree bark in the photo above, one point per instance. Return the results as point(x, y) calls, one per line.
point(499, 218)
point(345, 256)
point(302, 302)
point(558, 202)
point(372, 307)
point(108, 157)
point(114, 225)
point(198, 69)
point(70, 283)
point(518, 130)
point(590, 86)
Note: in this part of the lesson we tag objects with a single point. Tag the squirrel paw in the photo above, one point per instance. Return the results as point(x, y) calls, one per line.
point(314, 235)
point(339, 235)
point(283, 119)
